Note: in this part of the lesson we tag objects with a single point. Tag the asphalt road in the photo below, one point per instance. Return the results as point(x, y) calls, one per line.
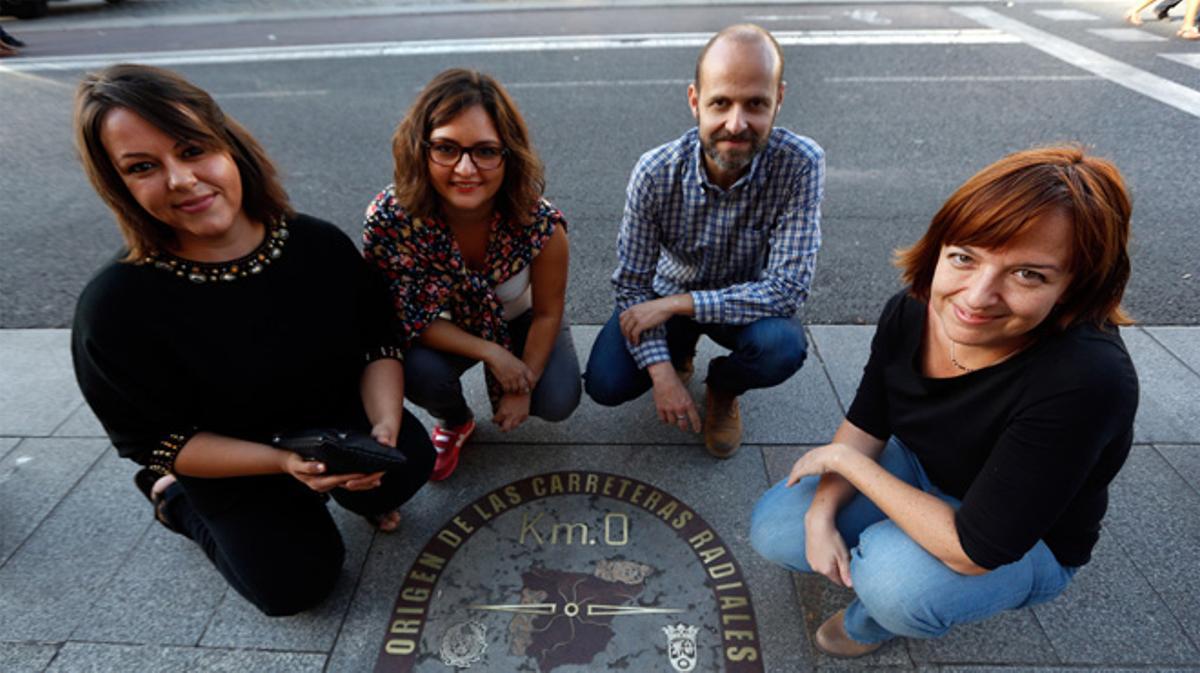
point(902, 126)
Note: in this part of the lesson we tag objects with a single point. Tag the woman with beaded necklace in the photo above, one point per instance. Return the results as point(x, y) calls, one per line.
point(230, 319)
point(476, 260)
point(971, 472)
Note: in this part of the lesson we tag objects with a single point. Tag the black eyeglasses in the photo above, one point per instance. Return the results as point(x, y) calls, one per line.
point(445, 153)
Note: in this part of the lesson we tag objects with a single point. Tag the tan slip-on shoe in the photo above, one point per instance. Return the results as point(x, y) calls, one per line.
point(722, 423)
point(832, 639)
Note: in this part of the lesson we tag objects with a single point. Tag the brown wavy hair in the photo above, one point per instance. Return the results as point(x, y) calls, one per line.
point(1009, 197)
point(183, 111)
point(443, 99)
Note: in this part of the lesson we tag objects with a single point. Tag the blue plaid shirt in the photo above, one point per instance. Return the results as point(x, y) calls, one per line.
point(743, 253)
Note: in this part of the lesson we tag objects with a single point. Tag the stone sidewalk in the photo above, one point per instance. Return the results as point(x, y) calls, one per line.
point(88, 583)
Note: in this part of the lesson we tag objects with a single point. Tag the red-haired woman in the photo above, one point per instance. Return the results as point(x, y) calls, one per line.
point(971, 473)
point(476, 260)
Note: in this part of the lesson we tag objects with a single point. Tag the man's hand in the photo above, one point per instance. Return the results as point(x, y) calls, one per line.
point(650, 314)
point(672, 399)
point(312, 474)
point(512, 411)
point(513, 375)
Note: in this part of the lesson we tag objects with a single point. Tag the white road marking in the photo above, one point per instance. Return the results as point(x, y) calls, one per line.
point(1135, 79)
point(766, 18)
point(1192, 60)
point(1066, 15)
point(65, 23)
point(597, 82)
point(963, 78)
point(37, 79)
point(868, 16)
point(941, 36)
point(1126, 35)
point(272, 94)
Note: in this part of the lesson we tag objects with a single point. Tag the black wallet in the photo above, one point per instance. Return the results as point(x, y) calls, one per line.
point(342, 452)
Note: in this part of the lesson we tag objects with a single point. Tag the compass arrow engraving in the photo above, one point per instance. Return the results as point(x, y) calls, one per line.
point(522, 608)
point(572, 609)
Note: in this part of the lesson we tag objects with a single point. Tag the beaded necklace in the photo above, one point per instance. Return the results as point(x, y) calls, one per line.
point(268, 251)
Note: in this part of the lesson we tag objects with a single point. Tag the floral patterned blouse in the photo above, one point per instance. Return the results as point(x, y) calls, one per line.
point(428, 277)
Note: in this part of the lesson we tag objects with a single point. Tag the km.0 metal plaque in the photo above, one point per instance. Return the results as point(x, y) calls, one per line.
point(573, 571)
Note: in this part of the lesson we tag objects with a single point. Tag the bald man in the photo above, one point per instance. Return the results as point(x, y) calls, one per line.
point(719, 237)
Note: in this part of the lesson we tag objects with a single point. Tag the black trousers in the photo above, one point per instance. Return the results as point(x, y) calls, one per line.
point(273, 539)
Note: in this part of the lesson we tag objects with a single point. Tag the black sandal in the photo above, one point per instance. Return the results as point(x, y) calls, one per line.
point(145, 480)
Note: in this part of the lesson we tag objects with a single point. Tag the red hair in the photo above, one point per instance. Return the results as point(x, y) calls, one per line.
point(1009, 197)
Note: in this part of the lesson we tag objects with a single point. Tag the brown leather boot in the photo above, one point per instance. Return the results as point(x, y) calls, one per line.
point(687, 370)
point(722, 423)
point(832, 639)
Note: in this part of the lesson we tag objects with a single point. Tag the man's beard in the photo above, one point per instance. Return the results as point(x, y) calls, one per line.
point(734, 160)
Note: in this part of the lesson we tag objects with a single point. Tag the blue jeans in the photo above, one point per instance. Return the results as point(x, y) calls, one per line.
point(431, 378)
point(764, 353)
point(901, 589)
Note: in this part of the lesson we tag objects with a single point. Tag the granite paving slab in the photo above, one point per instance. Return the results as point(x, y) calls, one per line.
point(7, 444)
point(839, 666)
point(33, 478)
point(1012, 637)
point(37, 383)
point(719, 492)
point(52, 579)
point(1181, 341)
point(1168, 405)
point(1186, 461)
point(98, 657)
point(844, 349)
point(165, 593)
point(798, 410)
point(1111, 615)
point(238, 624)
point(1060, 669)
point(81, 423)
point(26, 657)
point(1153, 513)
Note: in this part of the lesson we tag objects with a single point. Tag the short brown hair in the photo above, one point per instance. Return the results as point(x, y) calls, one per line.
point(746, 33)
point(444, 98)
point(181, 110)
point(1005, 199)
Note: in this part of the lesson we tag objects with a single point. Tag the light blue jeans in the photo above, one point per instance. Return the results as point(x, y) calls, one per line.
point(901, 589)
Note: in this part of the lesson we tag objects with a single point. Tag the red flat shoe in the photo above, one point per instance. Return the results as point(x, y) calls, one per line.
point(449, 442)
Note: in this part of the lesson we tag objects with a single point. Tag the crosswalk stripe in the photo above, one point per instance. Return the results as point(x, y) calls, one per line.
point(1126, 35)
point(1192, 60)
point(1066, 15)
point(1148, 84)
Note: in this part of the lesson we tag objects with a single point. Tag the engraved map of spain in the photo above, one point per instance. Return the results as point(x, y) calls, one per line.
point(581, 627)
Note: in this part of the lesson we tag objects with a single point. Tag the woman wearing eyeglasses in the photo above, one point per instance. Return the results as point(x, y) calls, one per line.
point(476, 260)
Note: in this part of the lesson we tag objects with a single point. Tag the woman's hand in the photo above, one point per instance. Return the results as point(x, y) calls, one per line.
point(818, 461)
point(386, 431)
point(312, 474)
point(512, 411)
point(826, 552)
point(514, 375)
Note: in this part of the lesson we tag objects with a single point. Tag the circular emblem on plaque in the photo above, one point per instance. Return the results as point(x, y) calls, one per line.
point(572, 571)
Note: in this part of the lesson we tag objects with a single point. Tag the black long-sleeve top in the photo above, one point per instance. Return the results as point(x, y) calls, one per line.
point(279, 344)
point(1029, 445)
